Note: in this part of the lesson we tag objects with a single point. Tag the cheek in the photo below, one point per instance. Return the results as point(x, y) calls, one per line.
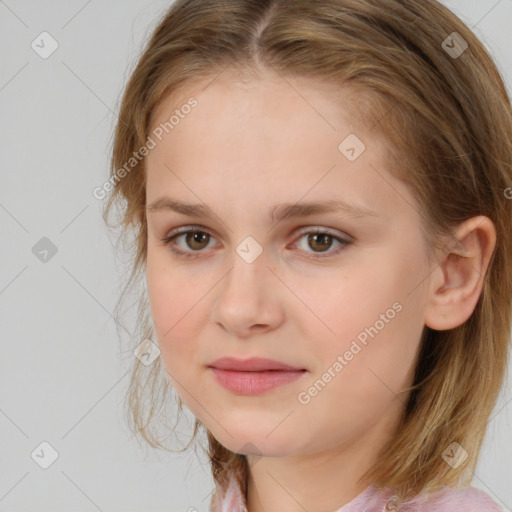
point(175, 304)
point(355, 384)
point(340, 306)
point(371, 319)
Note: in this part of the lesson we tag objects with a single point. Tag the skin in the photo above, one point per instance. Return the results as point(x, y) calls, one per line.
point(249, 144)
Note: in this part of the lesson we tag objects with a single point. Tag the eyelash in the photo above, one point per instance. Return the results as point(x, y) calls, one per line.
point(169, 240)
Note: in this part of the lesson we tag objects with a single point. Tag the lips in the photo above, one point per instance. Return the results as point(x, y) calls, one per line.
point(254, 364)
point(253, 376)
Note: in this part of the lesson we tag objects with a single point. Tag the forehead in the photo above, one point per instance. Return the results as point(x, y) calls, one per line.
point(246, 110)
point(269, 136)
point(230, 83)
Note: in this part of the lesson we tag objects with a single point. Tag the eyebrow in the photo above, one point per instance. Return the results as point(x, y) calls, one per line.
point(277, 213)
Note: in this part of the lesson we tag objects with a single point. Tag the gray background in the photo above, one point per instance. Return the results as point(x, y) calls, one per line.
point(63, 374)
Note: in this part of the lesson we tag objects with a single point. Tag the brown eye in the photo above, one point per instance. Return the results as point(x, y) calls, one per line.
point(320, 241)
point(188, 242)
point(196, 240)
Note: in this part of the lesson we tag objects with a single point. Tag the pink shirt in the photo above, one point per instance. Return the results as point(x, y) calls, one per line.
point(450, 499)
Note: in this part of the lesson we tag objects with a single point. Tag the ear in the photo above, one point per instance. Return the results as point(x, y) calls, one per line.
point(456, 283)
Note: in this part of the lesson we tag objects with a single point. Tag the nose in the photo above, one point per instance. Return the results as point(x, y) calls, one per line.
point(249, 298)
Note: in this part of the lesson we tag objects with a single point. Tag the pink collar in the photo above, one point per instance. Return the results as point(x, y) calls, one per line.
point(369, 500)
point(372, 499)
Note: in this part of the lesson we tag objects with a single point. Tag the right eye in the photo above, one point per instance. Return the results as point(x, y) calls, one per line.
point(195, 238)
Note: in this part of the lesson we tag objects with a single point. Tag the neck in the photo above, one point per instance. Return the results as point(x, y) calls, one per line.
point(318, 481)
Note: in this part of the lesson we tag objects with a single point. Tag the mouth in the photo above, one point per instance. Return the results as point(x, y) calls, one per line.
point(253, 376)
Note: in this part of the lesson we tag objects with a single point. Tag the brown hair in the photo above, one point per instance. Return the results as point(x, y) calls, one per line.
point(447, 119)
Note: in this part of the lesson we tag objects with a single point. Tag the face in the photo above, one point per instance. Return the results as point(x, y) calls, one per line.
point(338, 295)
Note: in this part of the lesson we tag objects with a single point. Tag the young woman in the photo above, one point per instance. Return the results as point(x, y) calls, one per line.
point(320, 199)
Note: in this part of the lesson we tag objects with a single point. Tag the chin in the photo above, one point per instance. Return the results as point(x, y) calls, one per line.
point(255, 441)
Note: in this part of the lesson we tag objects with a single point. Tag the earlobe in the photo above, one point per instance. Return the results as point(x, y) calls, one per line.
point(456, 284)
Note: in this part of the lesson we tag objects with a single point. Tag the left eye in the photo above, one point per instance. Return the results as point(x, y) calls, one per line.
point(323, 240)
point(197, 239)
